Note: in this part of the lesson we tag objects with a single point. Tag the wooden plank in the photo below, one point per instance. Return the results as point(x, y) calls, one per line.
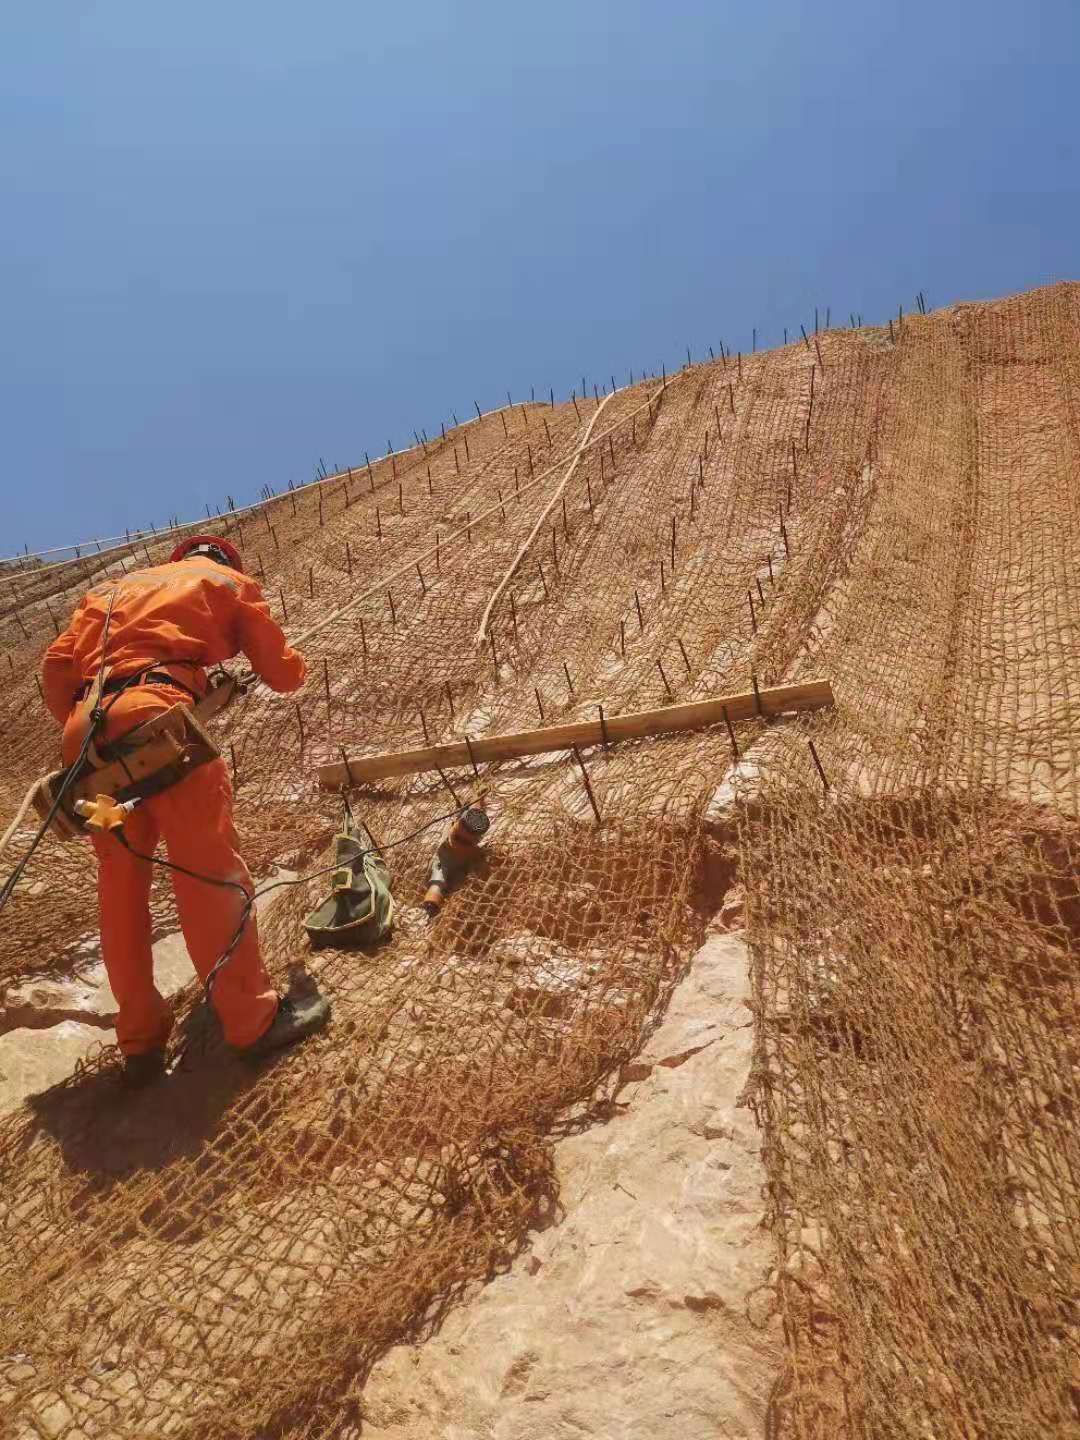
point(693, 715)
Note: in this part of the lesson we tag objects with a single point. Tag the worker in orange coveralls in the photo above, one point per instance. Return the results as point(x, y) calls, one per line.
point(170, 622)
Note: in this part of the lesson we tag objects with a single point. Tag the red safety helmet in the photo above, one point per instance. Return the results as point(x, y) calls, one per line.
point(212, 546)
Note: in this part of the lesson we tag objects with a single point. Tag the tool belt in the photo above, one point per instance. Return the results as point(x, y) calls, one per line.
point(144, 762)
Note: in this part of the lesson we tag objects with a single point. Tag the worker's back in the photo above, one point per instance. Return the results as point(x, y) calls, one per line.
point(183, 616)
point(186, 610)
point(135, 652)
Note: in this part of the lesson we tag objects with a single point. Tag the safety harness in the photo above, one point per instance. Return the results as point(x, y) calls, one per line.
point(142, 677)
point(109, 779)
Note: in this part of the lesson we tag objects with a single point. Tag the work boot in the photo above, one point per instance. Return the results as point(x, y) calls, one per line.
point(295, 1019)
point(142, 1070)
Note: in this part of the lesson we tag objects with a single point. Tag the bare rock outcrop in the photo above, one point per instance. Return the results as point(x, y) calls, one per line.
point(641, 1314)
point(32, 1059)
point(47, 1025)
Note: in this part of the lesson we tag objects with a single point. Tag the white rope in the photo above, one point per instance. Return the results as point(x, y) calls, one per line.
point(10, 831)
point(481, 634)
point(407, 569)
point(120, 545)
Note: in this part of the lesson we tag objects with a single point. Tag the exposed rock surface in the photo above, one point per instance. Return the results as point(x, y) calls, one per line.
point(640, 1314)
point(47, 1025)
point(33, 1059)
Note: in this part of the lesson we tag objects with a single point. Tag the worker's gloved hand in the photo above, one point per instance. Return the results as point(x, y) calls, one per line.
point(224, 688)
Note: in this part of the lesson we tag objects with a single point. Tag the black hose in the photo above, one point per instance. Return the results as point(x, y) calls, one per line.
point(251, 898)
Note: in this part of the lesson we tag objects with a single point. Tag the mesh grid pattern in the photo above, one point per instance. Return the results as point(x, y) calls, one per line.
point(230, 1251)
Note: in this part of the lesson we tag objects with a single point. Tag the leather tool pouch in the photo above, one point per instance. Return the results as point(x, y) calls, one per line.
point(144, 762)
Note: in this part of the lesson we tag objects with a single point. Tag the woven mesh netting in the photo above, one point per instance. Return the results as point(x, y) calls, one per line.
point(897, 509)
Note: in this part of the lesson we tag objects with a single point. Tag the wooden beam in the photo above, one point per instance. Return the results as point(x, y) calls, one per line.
point(693, 715)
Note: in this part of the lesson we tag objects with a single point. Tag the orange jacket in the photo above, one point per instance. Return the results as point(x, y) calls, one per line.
point(194, 610)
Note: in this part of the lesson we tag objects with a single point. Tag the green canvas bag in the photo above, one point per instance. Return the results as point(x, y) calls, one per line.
point(359, 909)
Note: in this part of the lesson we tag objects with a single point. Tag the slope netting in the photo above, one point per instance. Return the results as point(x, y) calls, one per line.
point(917, 1006)
point(895, 509)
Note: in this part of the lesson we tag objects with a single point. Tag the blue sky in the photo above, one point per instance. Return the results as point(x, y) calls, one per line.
point(241, 236)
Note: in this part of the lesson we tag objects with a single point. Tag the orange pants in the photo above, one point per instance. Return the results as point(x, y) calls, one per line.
point(195, 818)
